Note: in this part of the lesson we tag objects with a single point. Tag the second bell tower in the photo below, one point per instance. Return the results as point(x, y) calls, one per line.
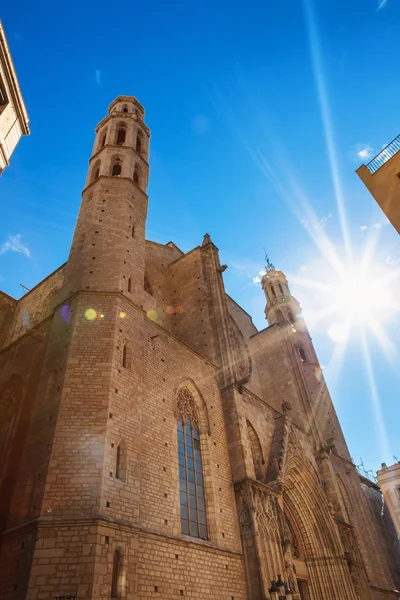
point(107, 252)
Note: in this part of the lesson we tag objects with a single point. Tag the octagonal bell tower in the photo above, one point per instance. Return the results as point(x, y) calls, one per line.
point(108, 248)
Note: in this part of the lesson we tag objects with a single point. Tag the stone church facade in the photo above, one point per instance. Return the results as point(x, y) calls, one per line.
point(153, 443)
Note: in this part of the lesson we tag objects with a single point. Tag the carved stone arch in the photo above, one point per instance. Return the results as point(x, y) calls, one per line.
point(308, 506)
point(243, 363)
point(201, 407)
point(256, 451)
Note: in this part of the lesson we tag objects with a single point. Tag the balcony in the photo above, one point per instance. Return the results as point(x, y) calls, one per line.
point(383, 156)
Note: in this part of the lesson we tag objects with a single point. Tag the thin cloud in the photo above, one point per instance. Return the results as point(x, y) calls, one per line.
point(365, 152)
point(392, 261)
point(256, 280)
point(98, 77)
point(200, 125)
point(14, 243)
point(382, 4)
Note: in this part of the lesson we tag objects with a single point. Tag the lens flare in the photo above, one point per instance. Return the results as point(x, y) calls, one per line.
point(26, 319)
point(122, 315)
point(90, 314)
point(152, 314)
point(65, 313)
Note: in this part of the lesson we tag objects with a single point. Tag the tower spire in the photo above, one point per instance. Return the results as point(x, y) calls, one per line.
point(268, 266)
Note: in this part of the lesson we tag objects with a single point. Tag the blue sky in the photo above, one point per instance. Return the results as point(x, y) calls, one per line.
point(259, 113)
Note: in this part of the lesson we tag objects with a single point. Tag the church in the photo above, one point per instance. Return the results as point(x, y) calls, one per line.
point(153, 443)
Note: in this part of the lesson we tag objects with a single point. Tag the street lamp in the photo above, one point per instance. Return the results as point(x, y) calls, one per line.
point(274, 591)
point(280, 590)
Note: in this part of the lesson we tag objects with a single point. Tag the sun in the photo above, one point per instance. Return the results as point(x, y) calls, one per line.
point(346, 298)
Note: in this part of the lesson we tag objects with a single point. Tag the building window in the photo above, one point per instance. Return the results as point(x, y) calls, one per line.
point(139, 142)
point(280, 288)
point(103, 140)
point(124, 108)
point(279, 316)
point(133, 231)
point(116, 168)
point(136, 175)
point(116, 584)
point(302, 354)
point(127, 355)
point(191, 486)
point(96, 171)
point(120, 462)
point(3, 96)
point(291, 318)
point(273, 291)
point(121, 135)
point(129, 285)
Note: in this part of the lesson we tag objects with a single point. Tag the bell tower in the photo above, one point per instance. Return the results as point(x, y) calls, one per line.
point(281, 305)
point(107, 252)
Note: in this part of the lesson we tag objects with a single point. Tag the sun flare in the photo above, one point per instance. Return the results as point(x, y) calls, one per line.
point(358, 298)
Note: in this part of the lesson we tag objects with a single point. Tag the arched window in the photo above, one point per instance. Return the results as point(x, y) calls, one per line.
point(139, 141)
point(129, 285)
point(116, 168)
point(273, 291)
point(103, 140)
point(256, 451)
point(116, 584)
point(280, 288)
point(120, 462)
point(279, 316)
point(147, 285)
point(124, 108)
point(136, 175)
point(121, 135)
point(191, 486)
point(127, 355)
point(291, 318)
point(302, 354)
point(96, 170)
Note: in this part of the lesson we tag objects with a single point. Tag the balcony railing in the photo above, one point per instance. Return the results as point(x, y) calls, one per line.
point(383, 156)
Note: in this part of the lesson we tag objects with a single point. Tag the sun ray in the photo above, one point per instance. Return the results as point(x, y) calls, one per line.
point(316, 58)
point(376, 403)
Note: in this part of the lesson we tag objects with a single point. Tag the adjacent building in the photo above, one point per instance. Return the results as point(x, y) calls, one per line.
point(381, 176)
point(389, 482)
point(154, 443)
point(14, 121)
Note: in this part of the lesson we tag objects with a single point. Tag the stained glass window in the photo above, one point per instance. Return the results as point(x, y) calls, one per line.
point(191, 485)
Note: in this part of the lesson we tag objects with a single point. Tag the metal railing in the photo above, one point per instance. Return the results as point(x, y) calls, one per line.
point(383, 156)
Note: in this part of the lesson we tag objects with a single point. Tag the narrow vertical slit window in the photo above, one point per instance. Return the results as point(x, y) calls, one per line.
point(116, 582)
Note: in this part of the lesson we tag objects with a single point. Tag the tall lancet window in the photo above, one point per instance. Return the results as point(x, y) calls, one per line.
point(191, 486)
point(121, 135)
